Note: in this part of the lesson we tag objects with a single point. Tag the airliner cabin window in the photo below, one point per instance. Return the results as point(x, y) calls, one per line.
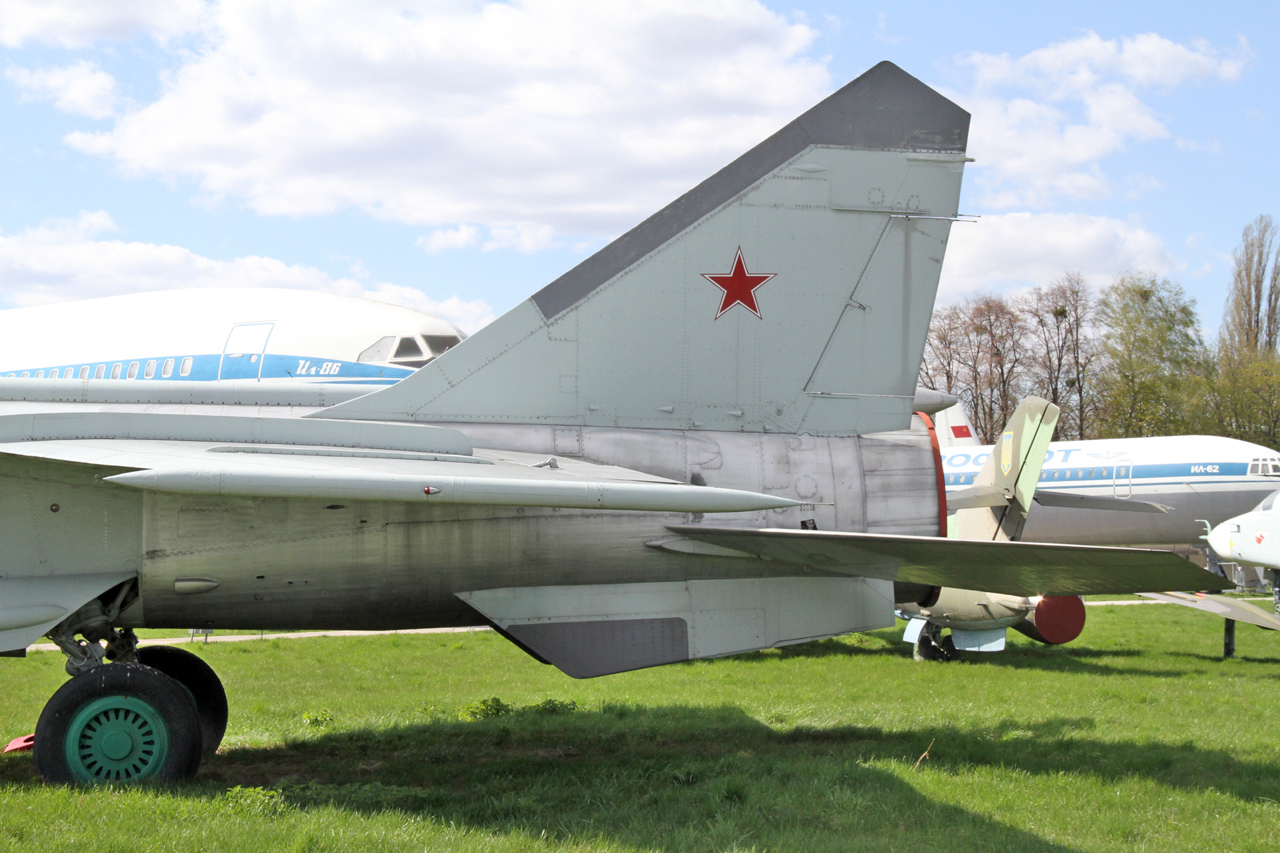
point(150, 371)
point(186, 366)
point(84, 373)
point(99, 371)
point(439, 344)
point(380, 351)
point(166, 369)
point(115, 370)
point(133, 370)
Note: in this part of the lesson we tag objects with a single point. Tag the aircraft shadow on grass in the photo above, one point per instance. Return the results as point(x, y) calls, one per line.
point(1058, 659)
point(673, 777)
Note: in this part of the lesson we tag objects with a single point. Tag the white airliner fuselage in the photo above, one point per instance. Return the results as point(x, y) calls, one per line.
point(1196, 476)
point(210, 334)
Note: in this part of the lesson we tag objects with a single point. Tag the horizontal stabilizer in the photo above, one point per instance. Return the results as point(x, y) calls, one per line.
point(979, 496)
point(1220, 605)
point(593, 630)
point(1070, 501)
point(1012, 568)
point(546, 490)
point(996, 507)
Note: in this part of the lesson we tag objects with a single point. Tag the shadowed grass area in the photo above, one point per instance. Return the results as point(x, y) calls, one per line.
point(1134, 737)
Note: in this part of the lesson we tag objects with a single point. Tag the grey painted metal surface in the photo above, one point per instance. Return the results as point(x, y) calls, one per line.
point(147, 425)
point(438, 488)
point(884, 109)
point(1012, 568)
point(790, 293)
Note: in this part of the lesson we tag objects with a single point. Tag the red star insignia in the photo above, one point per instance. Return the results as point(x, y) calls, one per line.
point(739, 286)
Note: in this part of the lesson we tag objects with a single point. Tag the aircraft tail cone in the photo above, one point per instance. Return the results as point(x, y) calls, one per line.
point(1057, 619)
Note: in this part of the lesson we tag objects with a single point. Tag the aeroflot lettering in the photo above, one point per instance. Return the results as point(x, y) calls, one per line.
point(329, 368)
point(959, 460)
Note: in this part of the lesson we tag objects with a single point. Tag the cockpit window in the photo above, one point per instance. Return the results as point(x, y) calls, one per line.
point(439, 344)
point(380, 351)
point(408, 349)
point(1267, 502)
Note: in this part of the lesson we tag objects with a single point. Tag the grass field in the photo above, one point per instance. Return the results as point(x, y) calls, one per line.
point(1135, 737)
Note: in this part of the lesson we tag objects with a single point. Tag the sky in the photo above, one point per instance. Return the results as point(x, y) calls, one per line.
point(456, 156)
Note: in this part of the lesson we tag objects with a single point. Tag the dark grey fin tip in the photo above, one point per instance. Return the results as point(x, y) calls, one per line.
point(885, 109)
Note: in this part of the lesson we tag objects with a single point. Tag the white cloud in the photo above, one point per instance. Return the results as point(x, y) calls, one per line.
point(81, 89)
point(69, 259)
point(1017, 250)
point(1042, 122)
point(523, 237)
point(533, 118)
point(451, 238)
point(80, 23)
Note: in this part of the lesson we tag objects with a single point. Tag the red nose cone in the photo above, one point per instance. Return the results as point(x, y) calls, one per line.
point(1060, 618)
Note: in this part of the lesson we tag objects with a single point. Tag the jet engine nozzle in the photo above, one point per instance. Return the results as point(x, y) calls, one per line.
point(1056, 619)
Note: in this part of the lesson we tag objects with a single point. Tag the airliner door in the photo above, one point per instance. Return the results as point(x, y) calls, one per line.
point(242, 355)
point(1122, 485)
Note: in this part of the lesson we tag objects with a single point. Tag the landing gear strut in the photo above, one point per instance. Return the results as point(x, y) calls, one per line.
point(931, 645)
point(151, 714)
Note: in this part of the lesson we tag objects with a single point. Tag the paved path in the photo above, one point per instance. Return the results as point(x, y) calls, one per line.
point(1149, 601)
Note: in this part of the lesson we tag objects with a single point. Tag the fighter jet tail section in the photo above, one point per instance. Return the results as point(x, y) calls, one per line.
point(791, 291)
point(996, 506)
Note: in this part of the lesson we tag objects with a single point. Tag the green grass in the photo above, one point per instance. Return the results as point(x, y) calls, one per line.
point(1135, 737)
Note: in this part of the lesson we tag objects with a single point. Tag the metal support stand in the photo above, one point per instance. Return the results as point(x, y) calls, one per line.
point(1228, 638)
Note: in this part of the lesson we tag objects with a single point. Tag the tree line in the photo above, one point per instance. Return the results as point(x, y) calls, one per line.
point(1131, 361)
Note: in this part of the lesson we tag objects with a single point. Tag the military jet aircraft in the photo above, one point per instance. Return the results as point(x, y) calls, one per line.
point(749, 350)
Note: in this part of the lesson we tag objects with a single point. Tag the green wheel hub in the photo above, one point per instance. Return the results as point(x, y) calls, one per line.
point(116, 739)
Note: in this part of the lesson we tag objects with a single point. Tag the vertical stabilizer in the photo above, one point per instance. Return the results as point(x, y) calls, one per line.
point(791, 291)
point(996, 506)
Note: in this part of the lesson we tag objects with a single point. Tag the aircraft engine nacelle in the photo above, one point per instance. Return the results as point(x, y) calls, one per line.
point(1056, 619)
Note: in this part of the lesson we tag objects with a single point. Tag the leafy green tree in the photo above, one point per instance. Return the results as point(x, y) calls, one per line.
point(1151, 354)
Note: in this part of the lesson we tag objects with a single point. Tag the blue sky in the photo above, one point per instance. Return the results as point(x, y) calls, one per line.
point(456, 156)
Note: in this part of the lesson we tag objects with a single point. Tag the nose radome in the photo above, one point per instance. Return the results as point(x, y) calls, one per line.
point(1222, 542)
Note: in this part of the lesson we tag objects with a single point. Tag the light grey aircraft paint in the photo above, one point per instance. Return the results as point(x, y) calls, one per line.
point(846, 211)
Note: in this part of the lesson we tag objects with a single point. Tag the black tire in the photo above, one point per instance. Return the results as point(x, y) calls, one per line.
point(949, 650)
point(193, 673)
point(123, 722)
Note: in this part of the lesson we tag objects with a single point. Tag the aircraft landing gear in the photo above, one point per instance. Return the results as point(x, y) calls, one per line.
point(122, 722)
point(201, 682)
point(149, 715)
point(931, 645)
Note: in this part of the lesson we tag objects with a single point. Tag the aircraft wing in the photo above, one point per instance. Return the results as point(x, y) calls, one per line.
point(1012, 568)
point(498, 478)
point(1227, 608)
point(1046, 497)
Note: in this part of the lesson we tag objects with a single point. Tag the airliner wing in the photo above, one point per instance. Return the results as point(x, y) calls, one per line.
point(1070, 501)
point(1012, 568)
point(1227, 608)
